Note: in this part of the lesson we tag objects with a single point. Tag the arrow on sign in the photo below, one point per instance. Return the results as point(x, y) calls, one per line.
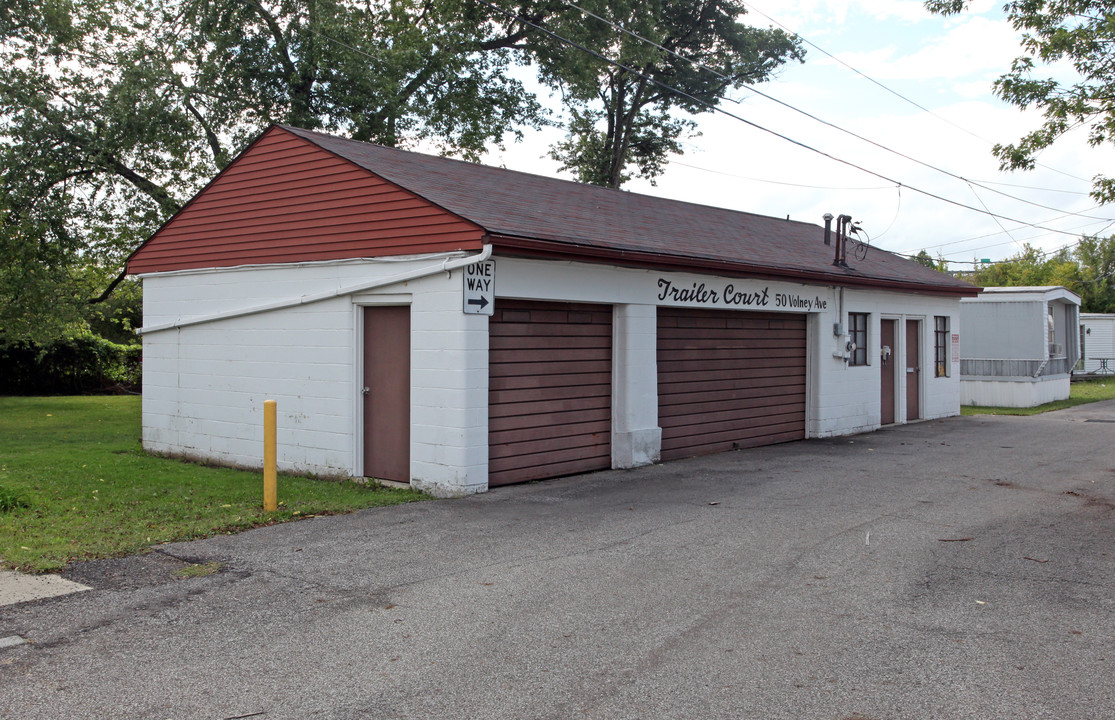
point(482, 302)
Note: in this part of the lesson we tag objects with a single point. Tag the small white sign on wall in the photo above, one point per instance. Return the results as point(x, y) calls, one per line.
point(480, 288)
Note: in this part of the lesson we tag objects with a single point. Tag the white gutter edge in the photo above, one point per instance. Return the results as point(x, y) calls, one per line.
point(444, 266)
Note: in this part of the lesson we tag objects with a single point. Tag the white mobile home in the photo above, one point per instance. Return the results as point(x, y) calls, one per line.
point(1018, 346)
point(1097, 343)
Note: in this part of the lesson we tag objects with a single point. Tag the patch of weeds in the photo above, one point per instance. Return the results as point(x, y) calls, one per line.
point(11, 500)
point(199, 570)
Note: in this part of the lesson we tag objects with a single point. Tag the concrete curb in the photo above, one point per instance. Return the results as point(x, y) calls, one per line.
point(18, 588)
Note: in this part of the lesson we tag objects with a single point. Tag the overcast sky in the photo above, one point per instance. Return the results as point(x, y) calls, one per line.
point(946, 65)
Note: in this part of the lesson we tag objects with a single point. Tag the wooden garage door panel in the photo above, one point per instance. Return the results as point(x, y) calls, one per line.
point(519, 472)
point(722, 442)
point(734, 418)
point(537, 394)
point(744, 350)
point(712, 379)
point(550, 390)
point(545, 432)
point(729, 380)
point(529, 355)
point(726, 410)
point(563, 410)
point(743, 429)
point(528, 382)
point(777, 363)
point(543, 443)
point(520, 332)
point(729, 335)
point(511, 368)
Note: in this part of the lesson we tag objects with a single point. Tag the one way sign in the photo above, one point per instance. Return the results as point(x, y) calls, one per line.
point(480, 288)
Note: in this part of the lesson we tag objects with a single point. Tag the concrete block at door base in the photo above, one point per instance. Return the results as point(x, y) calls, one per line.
point(451, 482)
point(636, 448)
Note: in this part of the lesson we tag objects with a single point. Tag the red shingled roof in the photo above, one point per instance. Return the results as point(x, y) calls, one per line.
point(546, 217)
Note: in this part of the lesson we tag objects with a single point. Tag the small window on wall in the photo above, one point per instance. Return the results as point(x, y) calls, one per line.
point(941, 346)
point(857, 333)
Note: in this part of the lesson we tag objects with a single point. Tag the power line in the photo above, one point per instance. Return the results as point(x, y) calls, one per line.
point(987, 235)
point(778, 182)
point(897, 211)
point(997, 221)
point(896, 93)
point(1034, 187)
point(811, 116)
point(714, 108)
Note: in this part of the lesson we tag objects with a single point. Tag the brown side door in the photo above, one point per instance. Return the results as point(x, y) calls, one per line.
point(886, 369)
point(387, 393)
point(549, 390)
point(913, 369)
point(729, 380)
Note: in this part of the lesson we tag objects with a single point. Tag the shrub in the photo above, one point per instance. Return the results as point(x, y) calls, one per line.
point(77, 364)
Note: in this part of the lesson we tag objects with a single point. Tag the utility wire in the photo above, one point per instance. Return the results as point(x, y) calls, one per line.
point(997, 220)
point(1034, 187)
point(987, 235)
point(897, 211)
point(1040, 253)
point(811, 116)
point(898, 94)
point(714, 108)
point(777, 182)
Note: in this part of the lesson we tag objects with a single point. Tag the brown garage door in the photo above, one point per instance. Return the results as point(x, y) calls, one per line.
point(550, 390)
point(729, 380)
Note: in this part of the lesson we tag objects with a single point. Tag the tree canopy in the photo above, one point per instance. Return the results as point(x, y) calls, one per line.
point(1077, 32)
point(924, 258)
point(1088, 269)
point(671, 59)
point(114, 112)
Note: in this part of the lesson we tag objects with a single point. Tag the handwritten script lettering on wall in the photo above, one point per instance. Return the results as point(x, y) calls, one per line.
point(729, 296)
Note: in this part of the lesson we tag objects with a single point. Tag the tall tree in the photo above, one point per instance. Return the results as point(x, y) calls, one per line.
point(1077, 32)
point(1096, 258)
point(924, 258)
point(626, 118)
point(113, 112)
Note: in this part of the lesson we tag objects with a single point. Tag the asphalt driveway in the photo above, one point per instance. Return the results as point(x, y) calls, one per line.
point(950, 569)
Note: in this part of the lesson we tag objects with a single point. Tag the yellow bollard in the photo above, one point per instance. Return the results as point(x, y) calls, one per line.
point(270, 472)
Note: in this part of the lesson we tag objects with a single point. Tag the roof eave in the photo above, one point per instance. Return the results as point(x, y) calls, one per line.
point(554, 250)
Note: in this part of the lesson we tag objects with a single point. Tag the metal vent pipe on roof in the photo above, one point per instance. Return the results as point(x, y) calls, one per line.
point(839, 259)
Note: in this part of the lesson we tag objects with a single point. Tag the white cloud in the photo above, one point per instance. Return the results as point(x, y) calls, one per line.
point(976, 46)
point(836, 12)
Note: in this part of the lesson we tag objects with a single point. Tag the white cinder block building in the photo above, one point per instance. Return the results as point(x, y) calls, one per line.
point(459, 326)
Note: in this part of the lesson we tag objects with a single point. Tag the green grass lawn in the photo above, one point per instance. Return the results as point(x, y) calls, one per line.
point(75, 484)
point(1081, 392)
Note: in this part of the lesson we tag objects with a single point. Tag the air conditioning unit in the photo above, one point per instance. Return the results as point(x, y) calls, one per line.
point(1056, 350)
